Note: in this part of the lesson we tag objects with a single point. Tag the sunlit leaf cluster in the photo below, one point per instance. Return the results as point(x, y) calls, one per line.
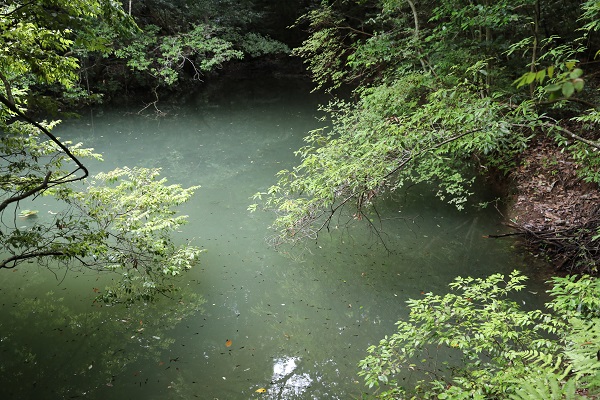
point(133, 211)
point(477, 342)
point(388, 141)
point(446, 91)
point(121, 221)
point(163, 57)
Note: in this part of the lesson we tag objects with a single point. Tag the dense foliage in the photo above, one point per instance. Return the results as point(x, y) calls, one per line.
point(444, 91)
point(56, 53)
point(493, 349)
point(122, 221)
point(177, 41)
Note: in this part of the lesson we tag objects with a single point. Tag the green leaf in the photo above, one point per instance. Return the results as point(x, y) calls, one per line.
point(568, 89)
point(530, 77)
point(576, 73)
point(540, 76)
point(521, 81)
point(552, 88)
point(578, 84)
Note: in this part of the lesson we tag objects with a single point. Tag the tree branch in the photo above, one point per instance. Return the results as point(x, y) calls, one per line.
point(17, 9)
point(407, 157)
point(595, 145)
point(573, 99)
point(7, 88)
point(416, 36)
point(31, 192)
point(572, 135)
point(410, 156)
point(12, 107)
point(21, 257)
point(351, 29)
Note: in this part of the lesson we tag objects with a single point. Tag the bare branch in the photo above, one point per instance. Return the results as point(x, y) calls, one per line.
point(571, 99)
point(572, 135)
point(17, 9)
point(595, 145)
point(416, 35)
point(7, 87)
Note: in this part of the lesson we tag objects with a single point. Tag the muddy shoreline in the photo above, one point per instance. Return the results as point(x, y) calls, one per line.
point(554, 210)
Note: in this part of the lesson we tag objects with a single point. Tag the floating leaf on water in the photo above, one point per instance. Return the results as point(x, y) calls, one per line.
point(228, 343)
point(261, 390)
point(27, 213)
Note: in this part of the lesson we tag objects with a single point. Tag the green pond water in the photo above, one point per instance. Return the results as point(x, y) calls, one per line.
point(298, 320)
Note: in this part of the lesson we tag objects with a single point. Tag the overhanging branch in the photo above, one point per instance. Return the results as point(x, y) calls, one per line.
point(8, 101)
point(14, 260)
point(573, 135)
point(31, 192)
point(406, 157)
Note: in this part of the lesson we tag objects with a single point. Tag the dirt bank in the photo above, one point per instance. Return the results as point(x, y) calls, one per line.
point(554, 210)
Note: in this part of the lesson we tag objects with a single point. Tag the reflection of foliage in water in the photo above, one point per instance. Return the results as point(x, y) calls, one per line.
point(49, 348)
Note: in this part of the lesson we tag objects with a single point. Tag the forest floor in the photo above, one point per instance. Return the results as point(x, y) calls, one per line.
point(554, 209)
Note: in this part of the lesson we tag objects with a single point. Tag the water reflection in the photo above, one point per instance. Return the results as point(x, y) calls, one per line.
point(51, 349)
point(285, 382)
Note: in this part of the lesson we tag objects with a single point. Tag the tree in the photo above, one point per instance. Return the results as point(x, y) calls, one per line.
point(122, 337)
point(178, 41)
point(123, 220)
point(493, 348)
point(444, 91)
point(411, 123)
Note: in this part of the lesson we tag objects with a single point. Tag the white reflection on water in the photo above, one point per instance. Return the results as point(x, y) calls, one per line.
point(285, 383)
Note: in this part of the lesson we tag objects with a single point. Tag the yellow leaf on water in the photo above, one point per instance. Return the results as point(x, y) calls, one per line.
point(261, 390)
point(228, 343)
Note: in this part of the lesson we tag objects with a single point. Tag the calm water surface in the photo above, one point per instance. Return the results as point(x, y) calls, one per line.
point(299, 320)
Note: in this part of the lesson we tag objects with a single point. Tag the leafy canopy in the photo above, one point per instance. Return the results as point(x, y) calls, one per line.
point(444, 92)
point(182, 40)
point(123, 220)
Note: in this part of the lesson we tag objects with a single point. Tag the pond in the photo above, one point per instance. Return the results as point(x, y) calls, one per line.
point(251, 322)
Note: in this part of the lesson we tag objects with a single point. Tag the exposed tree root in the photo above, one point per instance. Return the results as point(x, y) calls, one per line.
point(554, 211)
point(574, 249)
